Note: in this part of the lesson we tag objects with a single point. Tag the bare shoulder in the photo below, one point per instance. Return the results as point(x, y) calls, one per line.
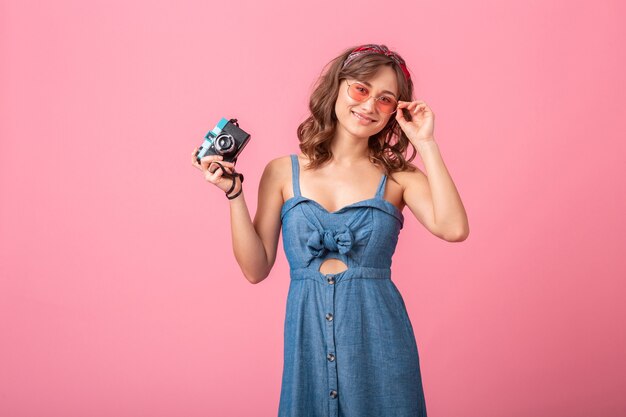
point(416, 194)
point(277, 166)
point(397, 184)
point(277, 175)
point(406, 177)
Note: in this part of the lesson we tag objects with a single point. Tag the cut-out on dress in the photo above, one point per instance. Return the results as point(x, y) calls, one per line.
point(349, 346)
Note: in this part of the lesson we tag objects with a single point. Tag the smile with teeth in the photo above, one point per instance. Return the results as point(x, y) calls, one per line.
point(362, 117)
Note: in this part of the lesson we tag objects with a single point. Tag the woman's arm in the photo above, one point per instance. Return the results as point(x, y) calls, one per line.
point(434, 199)
point(255, 243)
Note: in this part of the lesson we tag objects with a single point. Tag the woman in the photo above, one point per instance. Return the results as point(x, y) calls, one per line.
point(349, 344)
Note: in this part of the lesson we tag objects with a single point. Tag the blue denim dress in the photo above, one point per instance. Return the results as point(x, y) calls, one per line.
point(349, 346)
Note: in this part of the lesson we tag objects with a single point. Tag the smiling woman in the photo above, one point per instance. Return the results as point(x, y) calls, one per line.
point(343, 311)
point(349, 346)
point(351, 82)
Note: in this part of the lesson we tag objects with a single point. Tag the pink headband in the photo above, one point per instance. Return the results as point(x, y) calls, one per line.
point(378, 49)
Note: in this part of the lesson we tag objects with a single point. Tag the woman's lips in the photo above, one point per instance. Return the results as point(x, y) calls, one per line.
point(362, 118)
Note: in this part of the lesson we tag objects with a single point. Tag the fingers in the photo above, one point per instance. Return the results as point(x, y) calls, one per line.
point(411, 102)
point(193, 157)
point(194, 161)
point(409, 106)
point(400, 116)
point(206, 162)
point(215, 166)
point(213, 172)
point(414, 107)
point(215, 176)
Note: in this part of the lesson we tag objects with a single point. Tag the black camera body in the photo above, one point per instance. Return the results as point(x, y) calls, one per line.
point(226, 139)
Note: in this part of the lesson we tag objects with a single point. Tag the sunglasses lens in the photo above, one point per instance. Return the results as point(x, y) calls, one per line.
point(358, 91)
point(386, 104)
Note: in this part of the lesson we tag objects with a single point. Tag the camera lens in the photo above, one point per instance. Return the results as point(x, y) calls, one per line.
point(224, 143)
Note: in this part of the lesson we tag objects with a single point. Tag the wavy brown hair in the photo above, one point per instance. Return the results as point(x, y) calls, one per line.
point(387, 148)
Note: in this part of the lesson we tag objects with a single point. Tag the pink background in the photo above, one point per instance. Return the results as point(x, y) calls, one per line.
point(119, 291)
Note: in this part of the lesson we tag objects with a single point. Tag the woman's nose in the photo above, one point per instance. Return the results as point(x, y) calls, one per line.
point(369, 104)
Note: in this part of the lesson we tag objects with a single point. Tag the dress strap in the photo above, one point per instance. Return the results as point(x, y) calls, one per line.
point(380, 192)
point(295, 175)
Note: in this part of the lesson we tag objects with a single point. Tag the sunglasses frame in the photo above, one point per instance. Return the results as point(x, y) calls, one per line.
point(376, 99)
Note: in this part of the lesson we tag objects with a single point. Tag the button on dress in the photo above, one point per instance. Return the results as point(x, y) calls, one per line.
point(349, 346)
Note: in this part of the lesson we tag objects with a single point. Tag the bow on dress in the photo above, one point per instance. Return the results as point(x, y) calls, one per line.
point(320, 241)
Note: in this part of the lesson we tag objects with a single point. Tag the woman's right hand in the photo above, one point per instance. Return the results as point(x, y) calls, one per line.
point(213, 172)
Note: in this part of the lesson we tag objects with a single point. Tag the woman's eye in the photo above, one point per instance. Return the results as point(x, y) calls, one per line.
point(387, 100)
point(361, 89)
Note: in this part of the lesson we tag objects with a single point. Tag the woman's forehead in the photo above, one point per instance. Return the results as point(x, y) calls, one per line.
point(385, 80)
point(368, 84)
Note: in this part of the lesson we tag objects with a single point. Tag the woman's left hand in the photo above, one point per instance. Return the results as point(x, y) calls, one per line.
point(422, 125)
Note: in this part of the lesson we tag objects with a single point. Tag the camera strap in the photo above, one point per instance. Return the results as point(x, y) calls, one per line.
point(231, 176)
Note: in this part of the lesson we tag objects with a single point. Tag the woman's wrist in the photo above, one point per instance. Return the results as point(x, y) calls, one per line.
point(421, 145)
point(236, 187)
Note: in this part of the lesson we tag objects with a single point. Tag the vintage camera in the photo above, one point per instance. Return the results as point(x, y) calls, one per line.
point(226, 139)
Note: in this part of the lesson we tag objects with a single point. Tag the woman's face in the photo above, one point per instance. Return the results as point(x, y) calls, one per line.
point(371, 120)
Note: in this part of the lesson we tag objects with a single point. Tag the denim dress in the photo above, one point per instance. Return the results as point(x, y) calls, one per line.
point(349, 346)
